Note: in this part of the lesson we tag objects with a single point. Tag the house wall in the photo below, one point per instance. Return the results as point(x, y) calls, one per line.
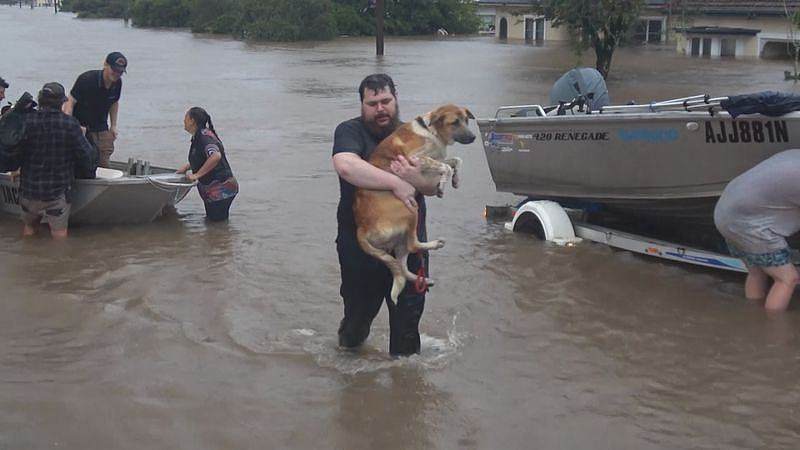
point(773, 30)
point(516, 25)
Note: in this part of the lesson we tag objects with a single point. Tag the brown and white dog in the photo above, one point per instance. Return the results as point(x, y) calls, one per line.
point(384, 225)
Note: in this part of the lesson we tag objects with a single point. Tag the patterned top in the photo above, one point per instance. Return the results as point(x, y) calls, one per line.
point(53, 149)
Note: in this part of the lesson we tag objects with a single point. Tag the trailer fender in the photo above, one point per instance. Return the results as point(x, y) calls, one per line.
point(546, 220)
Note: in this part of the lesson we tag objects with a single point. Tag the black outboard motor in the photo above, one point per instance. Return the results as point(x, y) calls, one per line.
point(12, 131)
point(579, 87)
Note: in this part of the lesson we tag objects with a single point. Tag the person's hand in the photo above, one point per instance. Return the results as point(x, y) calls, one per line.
point(114, 132)
point(406, 168)
point(191, 177)
point(406, 193)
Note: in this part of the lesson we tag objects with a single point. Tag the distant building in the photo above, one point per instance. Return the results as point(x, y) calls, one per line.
point(712, 28)
point(715, 28)
point(514, 19)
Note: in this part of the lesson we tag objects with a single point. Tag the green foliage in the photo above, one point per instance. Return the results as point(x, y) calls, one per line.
point(283, 20)
point(406, 17)
point(214, 16)
point(97, 8)
point(288, 20)
point(353, 18)
point(600, 24)
point(160, 13)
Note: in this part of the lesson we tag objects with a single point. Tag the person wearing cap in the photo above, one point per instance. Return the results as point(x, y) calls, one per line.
point(54, 149)
point(3, 87)
point(94, 99)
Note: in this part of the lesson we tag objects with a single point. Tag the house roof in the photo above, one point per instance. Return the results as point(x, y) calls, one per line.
point(737, 7)
point(715, 7)
point(721, 30)
point(505, 2)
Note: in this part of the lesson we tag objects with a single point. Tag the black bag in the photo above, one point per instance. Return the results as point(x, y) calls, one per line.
point(12, 132)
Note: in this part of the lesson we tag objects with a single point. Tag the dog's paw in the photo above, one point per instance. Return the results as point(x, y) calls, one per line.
point(456, 181)
point(439, 192)
point(430, 282)
point(439, 243)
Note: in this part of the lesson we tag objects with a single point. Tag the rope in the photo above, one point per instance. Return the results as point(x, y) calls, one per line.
point(167, 185)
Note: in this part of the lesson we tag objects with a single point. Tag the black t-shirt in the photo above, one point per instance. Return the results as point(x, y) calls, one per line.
point(204, 144)
point(352, 136)
point(94, 100)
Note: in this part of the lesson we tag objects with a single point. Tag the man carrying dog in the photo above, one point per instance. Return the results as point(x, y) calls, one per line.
point(366, 282)
point(94, 99)
point(53, 150)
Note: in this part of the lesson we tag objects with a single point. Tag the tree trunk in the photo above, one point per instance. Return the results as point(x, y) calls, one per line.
point(603, 52)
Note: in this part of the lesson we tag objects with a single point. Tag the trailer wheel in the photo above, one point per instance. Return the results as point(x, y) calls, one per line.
point(529, 223)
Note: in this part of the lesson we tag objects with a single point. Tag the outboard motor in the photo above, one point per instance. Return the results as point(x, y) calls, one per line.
point(583, 85)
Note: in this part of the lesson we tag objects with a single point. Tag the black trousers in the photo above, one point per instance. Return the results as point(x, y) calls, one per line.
point(218, 211)
point(366, 283)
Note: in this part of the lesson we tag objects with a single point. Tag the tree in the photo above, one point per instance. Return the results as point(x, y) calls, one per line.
point(793, 47)
point(599, 24)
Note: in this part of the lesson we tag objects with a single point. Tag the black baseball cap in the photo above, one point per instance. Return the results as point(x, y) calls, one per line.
point(53, 90)
point(117, 61)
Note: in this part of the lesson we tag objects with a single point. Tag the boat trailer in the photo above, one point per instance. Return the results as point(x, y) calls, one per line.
point(549, 221)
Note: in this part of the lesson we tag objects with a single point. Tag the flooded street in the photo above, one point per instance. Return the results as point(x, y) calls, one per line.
point(182, 335)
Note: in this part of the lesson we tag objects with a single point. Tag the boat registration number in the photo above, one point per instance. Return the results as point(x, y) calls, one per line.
point(746, 131)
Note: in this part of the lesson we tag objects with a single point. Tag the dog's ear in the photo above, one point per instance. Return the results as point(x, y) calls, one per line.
point(469, 113)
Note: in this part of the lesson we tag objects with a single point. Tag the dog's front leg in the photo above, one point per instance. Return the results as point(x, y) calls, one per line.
point(455, 163)
point(436, 168)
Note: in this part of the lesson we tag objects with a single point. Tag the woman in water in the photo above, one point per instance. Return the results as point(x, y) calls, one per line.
point(215, 181)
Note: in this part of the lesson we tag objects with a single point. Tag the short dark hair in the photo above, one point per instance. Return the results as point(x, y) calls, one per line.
point(376, 82)
point(3, 83)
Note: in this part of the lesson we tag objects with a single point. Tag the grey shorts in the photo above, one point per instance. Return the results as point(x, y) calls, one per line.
point(52, 212)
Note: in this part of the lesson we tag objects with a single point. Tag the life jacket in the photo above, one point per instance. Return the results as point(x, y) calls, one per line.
point(12, 132)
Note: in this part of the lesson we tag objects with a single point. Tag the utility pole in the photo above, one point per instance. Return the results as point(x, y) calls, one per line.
point(379, 27)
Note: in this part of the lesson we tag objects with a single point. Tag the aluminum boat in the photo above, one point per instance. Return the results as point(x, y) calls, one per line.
point(126, 193)
point(667, 160)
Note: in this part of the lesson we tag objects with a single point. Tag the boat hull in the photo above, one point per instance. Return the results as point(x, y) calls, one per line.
point(121, 199)
point(671, 164)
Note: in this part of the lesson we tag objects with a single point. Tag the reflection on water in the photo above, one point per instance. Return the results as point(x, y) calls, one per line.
point(180, 334)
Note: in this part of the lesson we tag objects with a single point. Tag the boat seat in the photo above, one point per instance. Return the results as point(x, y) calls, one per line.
point(107, 174)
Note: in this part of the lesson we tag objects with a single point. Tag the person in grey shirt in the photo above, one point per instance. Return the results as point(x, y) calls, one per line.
point(755, 213)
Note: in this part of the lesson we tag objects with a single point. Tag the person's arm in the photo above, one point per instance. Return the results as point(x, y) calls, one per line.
point(69, 105)
point(362, 174)
point(112, 114)
point(410, 170)
point(211, 162)
point(183, 168)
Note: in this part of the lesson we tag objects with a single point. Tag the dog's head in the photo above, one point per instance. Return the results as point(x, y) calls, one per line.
point(451, 124)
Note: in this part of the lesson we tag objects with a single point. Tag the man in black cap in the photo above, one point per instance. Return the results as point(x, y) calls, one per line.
point(53, 150)
point(94, 98)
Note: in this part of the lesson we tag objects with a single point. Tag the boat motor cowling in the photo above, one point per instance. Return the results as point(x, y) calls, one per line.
point(582, 82)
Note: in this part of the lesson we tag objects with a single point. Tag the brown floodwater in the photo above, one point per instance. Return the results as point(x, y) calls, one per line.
point(182, 335)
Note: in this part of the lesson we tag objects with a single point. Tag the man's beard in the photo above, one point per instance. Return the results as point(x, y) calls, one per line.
point(381, 131)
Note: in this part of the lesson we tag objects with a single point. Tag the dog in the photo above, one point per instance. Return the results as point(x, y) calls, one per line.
point(385, 228)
